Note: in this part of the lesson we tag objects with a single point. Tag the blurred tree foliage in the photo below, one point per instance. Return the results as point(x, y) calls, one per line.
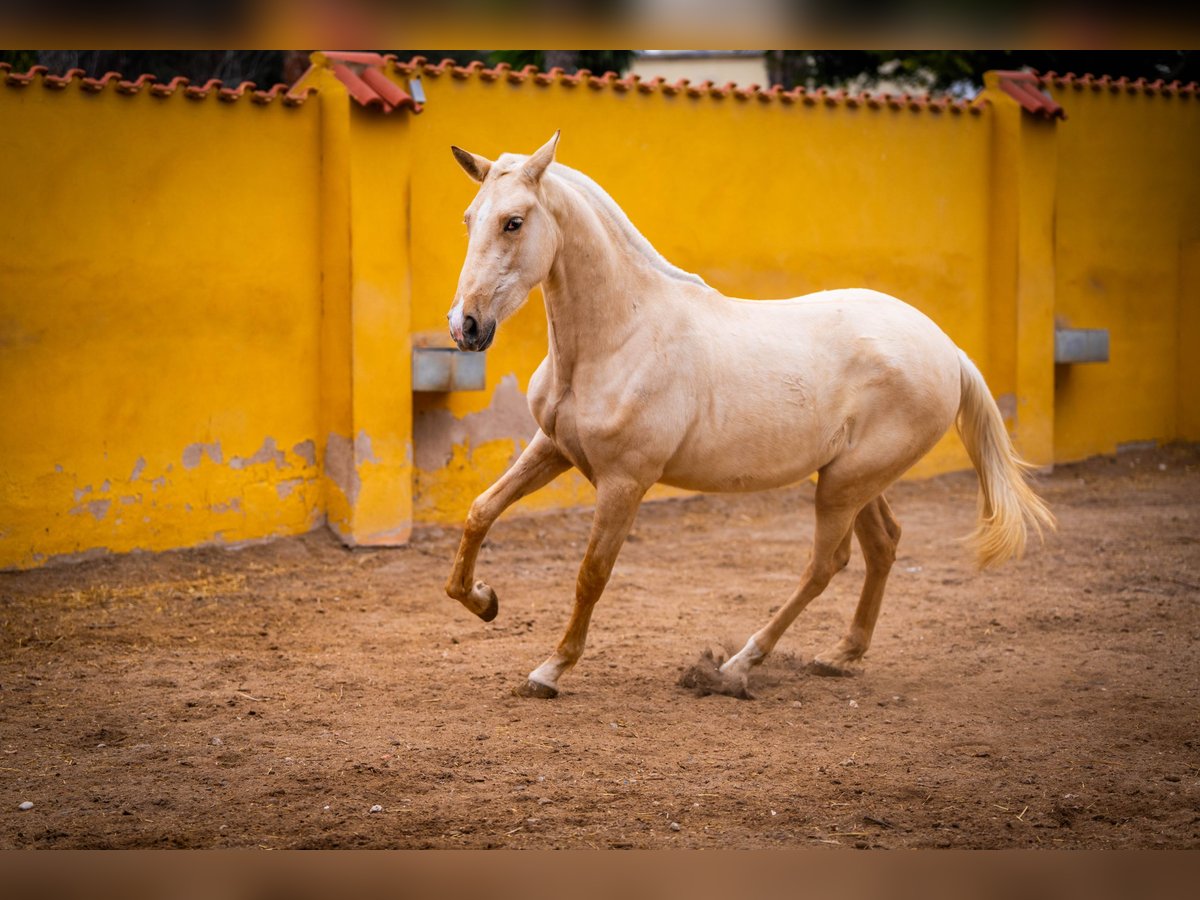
point(941, 70)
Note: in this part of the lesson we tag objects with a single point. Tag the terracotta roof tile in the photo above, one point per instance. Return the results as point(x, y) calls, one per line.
point(608, 79)
point(132, 87)
point(195, 92)
point(164, 90)
point(94, 85)
point(178, 84)
point(1117, 85)
point(61, 81)
point(1024, 87)
point(657, 84)
point(364, 75)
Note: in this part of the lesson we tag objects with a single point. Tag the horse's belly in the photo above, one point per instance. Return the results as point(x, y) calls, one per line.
point(719, 482)
point(739, 460)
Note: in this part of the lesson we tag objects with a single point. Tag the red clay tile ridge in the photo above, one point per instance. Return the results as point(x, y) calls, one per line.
point(148, 83)
point(631, 84)
point(1026, 90)
point(1158, 87)
point(365, 77)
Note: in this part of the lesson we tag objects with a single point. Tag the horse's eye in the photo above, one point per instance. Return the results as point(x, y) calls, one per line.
point(513, 224)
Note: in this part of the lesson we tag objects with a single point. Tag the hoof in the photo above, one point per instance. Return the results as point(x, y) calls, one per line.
point(492, 603)
point(831, 669)
point(536, 689)
point(705, 677)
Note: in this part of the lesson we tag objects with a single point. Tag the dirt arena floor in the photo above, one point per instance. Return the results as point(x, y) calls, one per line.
point(296, 694)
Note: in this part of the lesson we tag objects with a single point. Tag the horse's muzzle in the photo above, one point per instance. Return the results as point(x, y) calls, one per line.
point(476, 337)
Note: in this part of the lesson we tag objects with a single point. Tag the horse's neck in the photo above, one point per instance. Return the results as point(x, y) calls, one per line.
point(595, 286)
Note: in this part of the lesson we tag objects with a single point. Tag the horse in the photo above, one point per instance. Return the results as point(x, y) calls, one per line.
point(652, 376)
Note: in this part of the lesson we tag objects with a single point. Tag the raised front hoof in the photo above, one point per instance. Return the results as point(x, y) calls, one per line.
point(834, 667)
point(705, 677)
point(482, 601)
point(491, 607)
point(536, 689)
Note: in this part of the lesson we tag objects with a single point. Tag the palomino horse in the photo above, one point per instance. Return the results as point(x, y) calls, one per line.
point(653, 376)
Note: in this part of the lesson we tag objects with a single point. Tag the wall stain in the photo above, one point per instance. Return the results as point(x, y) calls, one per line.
point(285, 488)
point(437, 432)
point(307, 451)
point(268, 452)
point(194, 454)
point(339, 466)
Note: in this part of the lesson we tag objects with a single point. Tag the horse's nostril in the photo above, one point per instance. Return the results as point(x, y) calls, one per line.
point(470, 328)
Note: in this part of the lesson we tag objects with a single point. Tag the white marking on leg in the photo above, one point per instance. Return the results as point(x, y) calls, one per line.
point(547, 673)
point(748, 656)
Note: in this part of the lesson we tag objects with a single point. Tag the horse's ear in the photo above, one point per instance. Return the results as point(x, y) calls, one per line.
point(475, 166)
point(535, 166)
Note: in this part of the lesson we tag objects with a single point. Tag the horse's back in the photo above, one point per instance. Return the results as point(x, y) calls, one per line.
point(834, 334)
point(788, 380)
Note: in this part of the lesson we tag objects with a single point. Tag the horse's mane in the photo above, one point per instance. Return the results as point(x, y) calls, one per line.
point(606, 207)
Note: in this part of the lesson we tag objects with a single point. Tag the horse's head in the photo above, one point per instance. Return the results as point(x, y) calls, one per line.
point(512, 242)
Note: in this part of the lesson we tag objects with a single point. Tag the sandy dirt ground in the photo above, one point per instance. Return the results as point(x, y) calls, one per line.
point(274, 696)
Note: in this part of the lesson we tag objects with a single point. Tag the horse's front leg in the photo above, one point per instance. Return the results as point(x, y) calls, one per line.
point(537, 466)
point(616, 507)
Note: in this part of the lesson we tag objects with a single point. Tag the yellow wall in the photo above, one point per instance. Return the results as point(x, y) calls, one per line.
point(1126, 244)
point(207, 308)
point(159, 321)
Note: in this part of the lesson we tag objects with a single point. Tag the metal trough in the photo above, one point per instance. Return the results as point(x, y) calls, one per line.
point(446, 369)
point(1080, 345)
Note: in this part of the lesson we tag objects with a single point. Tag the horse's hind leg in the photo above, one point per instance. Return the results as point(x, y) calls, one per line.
point(835, 518)
point(878, 534)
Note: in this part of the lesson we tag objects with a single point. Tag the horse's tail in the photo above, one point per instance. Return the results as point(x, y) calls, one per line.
point(1007, 504)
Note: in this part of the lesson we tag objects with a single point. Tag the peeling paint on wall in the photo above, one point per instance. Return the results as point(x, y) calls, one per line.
point(437, 432)
point(363, 452)
point(284, 488)
point(194, 454)
point(307, 451)
point(268, 452)
point(340, 467)
point(120, 513)
point(343, 459)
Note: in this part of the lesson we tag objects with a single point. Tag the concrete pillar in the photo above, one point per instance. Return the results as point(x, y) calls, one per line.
point(366, 356)
point(1021, 319)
